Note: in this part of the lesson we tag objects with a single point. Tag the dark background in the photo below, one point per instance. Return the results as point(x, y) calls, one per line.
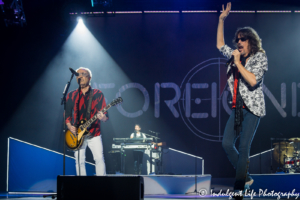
point(145, 49)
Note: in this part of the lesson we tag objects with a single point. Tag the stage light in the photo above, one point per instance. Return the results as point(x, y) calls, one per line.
point(161, 11)
point(79, 20)
point(240, 11)
point(199, 11)
point(274, 11)
point(81, 29)
point(128, 12)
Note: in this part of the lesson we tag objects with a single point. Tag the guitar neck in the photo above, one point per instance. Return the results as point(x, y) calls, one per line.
point(94, 118)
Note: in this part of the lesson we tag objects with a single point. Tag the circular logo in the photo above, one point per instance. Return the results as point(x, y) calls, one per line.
point(204, 99)
point(202, 192)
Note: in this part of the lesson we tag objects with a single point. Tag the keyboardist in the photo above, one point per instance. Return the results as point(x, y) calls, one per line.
point(138, 154)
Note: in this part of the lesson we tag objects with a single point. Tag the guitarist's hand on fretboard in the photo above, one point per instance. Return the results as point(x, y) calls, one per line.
point(101, 116)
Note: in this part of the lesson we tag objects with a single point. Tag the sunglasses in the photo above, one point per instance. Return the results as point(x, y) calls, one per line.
point(83, 74)
point(243, 39)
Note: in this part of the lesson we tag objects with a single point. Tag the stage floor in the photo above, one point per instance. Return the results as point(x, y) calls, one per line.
point(169, 198)
point(147, 197)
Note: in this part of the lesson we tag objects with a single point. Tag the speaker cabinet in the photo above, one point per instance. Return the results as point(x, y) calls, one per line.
point(100, 187)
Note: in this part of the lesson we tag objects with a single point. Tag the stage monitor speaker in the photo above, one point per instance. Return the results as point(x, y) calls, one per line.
point(100, 187)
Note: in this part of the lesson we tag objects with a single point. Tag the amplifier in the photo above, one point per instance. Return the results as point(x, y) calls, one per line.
point(100, 187)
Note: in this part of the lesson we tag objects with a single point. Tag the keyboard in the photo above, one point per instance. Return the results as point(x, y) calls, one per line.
point(133, 146)
point(133, 140)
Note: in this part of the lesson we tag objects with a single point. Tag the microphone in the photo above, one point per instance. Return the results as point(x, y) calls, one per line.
point(154, 132)
point(74, 72)
point(229, 61)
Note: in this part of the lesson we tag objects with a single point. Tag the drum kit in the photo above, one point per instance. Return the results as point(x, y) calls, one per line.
point(287, 154)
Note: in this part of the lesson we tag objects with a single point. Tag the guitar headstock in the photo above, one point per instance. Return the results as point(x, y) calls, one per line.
point(116, 101)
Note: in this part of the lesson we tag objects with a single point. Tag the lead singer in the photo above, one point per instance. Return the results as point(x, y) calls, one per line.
point(245, 74)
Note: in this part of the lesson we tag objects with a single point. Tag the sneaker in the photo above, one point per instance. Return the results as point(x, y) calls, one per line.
point(248, 184)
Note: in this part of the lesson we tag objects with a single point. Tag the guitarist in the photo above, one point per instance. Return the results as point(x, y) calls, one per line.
point(78, 103)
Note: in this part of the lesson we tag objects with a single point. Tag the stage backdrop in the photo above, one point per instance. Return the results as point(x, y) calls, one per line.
point(172, 78)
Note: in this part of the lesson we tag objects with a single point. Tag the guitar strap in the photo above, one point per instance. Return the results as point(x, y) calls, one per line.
point(88, 111)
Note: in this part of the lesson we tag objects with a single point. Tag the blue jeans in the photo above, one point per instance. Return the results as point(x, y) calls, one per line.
point(240, 159)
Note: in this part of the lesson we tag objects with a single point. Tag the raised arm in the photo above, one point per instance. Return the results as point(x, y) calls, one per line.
point(220, 31)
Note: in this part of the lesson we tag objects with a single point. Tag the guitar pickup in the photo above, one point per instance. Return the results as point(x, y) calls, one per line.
point(72, 136)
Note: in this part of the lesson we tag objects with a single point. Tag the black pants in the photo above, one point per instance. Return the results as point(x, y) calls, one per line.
point(138, 160)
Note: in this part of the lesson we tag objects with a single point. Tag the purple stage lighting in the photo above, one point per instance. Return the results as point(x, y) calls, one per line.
point(199, 11)
point(274, 11)
point(162, 11)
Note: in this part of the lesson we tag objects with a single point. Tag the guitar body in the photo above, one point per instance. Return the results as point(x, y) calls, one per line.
point(73, 142)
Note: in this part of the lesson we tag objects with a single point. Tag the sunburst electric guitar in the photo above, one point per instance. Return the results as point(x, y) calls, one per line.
point(74, 142)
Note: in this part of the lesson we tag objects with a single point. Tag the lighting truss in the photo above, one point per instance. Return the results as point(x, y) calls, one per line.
point(13, 13)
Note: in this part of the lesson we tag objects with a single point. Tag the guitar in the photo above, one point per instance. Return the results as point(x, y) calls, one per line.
point(74, 142)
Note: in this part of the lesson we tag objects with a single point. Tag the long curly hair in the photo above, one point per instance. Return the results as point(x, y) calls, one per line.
point(249, 33)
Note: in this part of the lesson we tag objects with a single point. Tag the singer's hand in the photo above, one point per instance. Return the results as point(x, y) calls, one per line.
point(225, 13)
point(237, 57)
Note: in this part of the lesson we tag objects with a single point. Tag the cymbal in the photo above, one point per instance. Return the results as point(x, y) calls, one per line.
point(295, 140)
point(288, 154)
point(281, 143)
point(282, 150)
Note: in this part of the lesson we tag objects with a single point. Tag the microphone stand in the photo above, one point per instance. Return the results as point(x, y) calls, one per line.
point(63, 102)
point(195, 191)
point(78, 119)
point(156, 138)
point(272, 155)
